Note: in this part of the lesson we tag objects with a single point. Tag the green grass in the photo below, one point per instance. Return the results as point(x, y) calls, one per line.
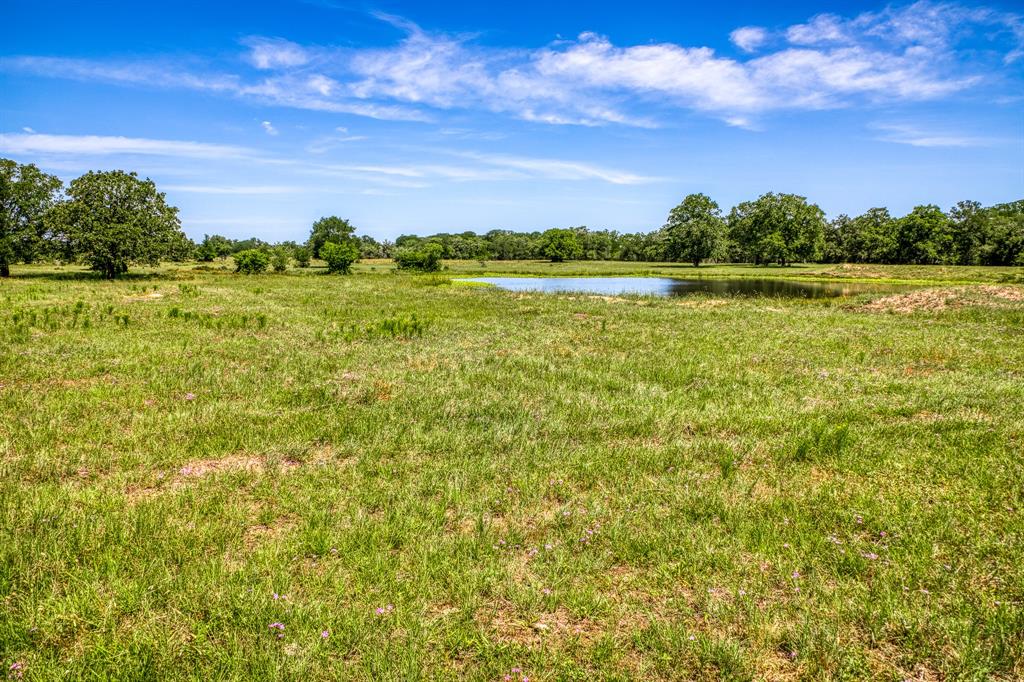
point(582, 488)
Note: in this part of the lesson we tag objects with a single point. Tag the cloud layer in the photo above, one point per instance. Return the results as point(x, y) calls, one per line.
point(926, 50)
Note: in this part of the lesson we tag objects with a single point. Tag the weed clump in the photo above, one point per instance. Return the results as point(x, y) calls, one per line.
point(395, 327)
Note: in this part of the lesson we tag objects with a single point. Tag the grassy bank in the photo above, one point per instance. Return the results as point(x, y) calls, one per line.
point(382, 476)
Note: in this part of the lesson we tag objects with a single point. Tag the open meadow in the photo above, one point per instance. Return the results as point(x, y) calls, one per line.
point(205, 475)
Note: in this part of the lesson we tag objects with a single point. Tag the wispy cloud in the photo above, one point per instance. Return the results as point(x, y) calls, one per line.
point(269, 128)
point(258, 190)
point(902, 133)
point(274, 53)
point(557, 169)
point(102, 145)
point(58, 149)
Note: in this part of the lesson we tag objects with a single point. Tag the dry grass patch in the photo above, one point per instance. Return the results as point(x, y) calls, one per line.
point(933, 300)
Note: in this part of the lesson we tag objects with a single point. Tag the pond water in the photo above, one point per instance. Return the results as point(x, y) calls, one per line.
point(667, 286)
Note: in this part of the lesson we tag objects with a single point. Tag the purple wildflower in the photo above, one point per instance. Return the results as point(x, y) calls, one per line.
point(325, 634)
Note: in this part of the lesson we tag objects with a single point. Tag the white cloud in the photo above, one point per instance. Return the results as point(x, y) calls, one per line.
point(749, 38)
point(28, 130)
point(274, 53)
point(269, 128)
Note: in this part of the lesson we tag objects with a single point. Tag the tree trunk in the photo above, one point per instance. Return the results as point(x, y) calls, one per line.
point(5, 269)
point(696, 262)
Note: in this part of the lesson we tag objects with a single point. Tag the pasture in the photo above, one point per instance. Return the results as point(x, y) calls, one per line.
point(205, 475)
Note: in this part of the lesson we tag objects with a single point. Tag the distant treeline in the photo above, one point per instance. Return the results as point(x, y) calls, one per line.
point(112, 219)
point(776, 229)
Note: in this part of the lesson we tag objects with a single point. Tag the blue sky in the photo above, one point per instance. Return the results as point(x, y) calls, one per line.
point(426, 117)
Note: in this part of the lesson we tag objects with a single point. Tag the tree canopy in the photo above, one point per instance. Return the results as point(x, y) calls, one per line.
point(329, 229)
point(695, 230)
point(26, 194)
point(778, 228)
point(559, 245)
point(112, 219)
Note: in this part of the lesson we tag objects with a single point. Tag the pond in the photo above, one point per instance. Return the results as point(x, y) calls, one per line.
point(667, 286)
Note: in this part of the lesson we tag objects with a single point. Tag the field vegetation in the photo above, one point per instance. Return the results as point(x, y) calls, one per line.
point(391, 476)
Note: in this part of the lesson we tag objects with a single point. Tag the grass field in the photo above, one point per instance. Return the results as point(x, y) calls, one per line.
point(382, 476)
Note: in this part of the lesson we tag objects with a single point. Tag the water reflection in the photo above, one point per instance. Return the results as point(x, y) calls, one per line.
point(666, 286)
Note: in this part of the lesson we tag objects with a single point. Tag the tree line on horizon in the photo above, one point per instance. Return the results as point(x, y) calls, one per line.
point(773, 229)
point(111, 219)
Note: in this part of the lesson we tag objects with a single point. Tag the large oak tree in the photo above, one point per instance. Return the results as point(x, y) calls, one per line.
point(113, 219)
point(695, 230)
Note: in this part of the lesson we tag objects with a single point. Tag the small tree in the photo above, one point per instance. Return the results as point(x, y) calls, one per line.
point(251, 261)
point(560, 245)
point(425, 257)
point(214, 246)
point(330, 229)
point(340, 257)
point(695, 230)
point(113, 219)
point(279, 258)
point(26, 193)
point(302, 256)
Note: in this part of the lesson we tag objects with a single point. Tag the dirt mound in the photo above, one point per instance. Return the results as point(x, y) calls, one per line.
point(945, 298)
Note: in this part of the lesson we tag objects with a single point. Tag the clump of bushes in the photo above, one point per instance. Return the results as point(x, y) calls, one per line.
point(340, 257)
point(302, 256)
point(251, 262)
point(424, 258)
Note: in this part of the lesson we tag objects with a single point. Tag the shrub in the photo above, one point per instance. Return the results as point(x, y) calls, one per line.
point(425, 258)
point(302, 256)
point(251, 262)
point(340, 257)
point(279, 258)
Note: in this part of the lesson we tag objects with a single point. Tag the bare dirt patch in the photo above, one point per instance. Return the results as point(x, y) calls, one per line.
point(201, 468)
point(552, 628)
point(260, 533)
point(945, 298)
point(153, 296)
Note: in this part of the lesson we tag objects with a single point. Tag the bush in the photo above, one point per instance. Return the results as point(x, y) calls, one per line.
point(302, 256)
point(279, 258)
point(340, 257)
point(251, 262)
point(425, 258)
